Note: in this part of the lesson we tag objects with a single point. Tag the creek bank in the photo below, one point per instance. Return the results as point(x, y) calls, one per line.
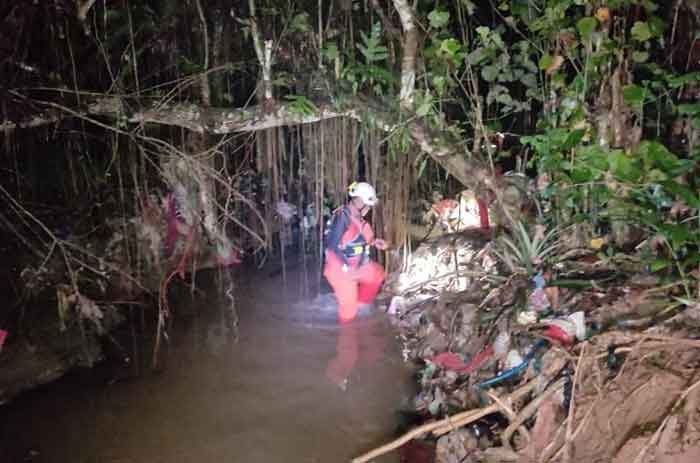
point(581, 359)
point(47, 349)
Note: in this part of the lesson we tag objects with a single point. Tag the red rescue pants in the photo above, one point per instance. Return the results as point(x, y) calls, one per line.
point(359, 285)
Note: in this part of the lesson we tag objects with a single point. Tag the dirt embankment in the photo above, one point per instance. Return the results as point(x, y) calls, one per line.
point(578, 359)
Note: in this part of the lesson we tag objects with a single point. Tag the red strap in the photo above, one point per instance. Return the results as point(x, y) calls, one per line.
point(357, 227)
point(483, 214)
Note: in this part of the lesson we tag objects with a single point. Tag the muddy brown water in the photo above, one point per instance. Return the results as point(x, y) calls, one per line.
point(264, 398)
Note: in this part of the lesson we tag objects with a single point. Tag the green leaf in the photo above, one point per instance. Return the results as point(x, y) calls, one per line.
point(300, 23)
point(300, 105)
point(656, 176)
point(586, 26)
point(641, 31)
point(657, 26)
point(477, 56)
point(483, 32)
point(689, 109)
point(677, 234)
point(438, 18)
point(659, 264)
point(470, 6)
point(490, 72)
point(545, 62)
point(675, 81)
point(624, 167)
point(451, 47)
point(371, 47)
point(573, 139)
point(650, 6)
point(581, 174)
point(640, 56)
point(633, 95)
point(330, 51)
point(529, 80)
point(655, 154)
point(691, 198)
point(424, 108)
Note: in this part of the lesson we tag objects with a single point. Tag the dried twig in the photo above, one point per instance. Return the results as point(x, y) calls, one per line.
point(511, 416)
point(572, 409)
point(530, 409)
point(458, 421)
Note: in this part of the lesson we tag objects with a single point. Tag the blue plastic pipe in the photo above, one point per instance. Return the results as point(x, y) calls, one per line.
point(515, 371)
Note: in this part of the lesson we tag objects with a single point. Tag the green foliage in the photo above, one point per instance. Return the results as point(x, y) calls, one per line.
point(586, 26)
point(641, 31)
point(521, 251)
point(300, 23)
point(438, 18)
point(372, 74)
point(371, 46)
point(330, 51)
point(300, 105)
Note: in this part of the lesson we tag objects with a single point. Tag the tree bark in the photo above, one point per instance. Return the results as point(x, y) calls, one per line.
point(410, 48)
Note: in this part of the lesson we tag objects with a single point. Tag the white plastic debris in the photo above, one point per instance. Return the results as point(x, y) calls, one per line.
point(580, 322)
point(513, 359)
point(527, 317)
point(501, 344)
point(396, 305)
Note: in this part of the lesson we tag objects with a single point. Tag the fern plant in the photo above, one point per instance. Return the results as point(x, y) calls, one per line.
point(371, 46)
point(373, 72)
point(520, 251)
point(300, 105)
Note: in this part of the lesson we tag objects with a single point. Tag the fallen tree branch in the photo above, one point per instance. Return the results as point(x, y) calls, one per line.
point(529, 410)
point(435, 427)
point(511, 416)
point(444, 426)
point(449, 153)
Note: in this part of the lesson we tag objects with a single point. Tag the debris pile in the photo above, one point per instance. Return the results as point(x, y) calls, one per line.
point(531, 352)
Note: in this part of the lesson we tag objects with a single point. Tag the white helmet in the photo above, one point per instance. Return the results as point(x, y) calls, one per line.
point(364, 191)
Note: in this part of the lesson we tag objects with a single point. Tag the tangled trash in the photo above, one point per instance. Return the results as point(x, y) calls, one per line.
point(550, 355)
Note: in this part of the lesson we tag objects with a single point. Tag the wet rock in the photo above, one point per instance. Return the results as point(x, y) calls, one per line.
point(457, 447)
point(48, 352)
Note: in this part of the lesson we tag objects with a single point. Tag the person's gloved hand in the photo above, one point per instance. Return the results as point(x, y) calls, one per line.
point(380, 244)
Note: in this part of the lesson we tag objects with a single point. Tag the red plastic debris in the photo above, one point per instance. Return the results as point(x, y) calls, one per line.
point(172, 219)
point(3, 336)
point(454, 362)
point(483, 214)
point(448, 360)
point(558, 334)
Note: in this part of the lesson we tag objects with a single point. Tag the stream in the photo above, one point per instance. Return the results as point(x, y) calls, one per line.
point(265, 398)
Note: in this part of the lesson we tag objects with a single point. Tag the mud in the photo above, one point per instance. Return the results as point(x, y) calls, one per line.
point(264, 398)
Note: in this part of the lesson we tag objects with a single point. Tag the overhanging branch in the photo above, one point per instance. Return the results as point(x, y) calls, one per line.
point(446, 152)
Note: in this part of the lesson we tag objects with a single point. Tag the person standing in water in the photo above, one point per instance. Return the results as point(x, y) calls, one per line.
point(354, 277)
